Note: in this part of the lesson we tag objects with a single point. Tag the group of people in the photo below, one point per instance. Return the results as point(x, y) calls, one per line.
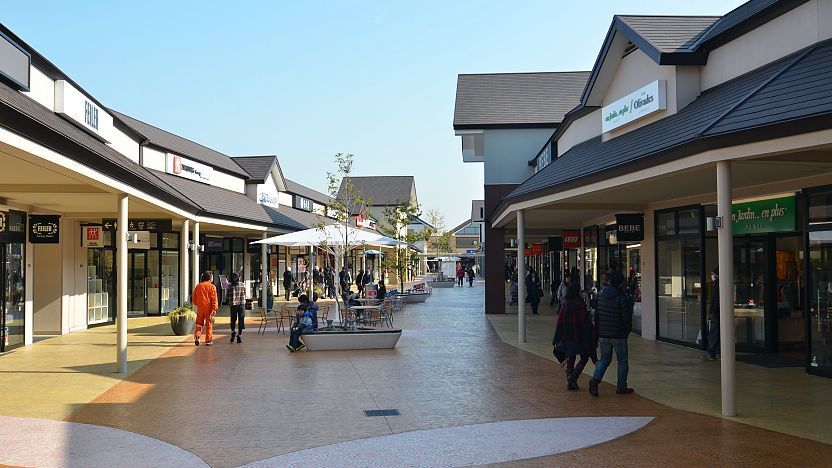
point(204, 299)
point(462, 272)
point(322, 280)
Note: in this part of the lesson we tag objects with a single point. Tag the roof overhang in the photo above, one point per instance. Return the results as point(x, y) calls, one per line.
point(473, 145)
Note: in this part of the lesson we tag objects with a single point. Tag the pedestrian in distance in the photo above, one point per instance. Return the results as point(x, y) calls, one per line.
point(359, 282)
point(564, 287)
point(513, 289)
point(237, 301)
point(204, 298)
point(712, 353)
point(460, 275)
point(575, 335)
point(614, 320)
point(306, 321)
point(534, 291)
point(288, 280)
point(470, 277)
point(344, 279)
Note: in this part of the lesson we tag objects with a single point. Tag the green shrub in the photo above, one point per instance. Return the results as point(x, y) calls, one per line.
point(185, 310)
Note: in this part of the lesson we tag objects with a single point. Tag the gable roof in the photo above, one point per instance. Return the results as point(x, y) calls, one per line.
point(462, 226)
point(382, 190)
point(182, 146)
point(789, 96)
point(257, 167)
point(516, 99)
point(304, 191)
point(668, 34)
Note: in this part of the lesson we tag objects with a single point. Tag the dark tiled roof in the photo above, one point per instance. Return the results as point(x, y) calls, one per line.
point(310, 220)
point(383, 190)
point(97, 154)
point(228, 204)
point(258, 167)
point(461, 226)
point(516, 98)
point(795, 87)
point(670, 34)
point(746, 17)
point(182, 146)
point(302, 190)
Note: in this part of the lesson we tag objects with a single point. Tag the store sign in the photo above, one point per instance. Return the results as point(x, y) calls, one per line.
point(187, 168)
point(15, 63)
point(629, 227)
point(152, 225)
point(139, 240)
point(212, 244)
point(590, 237)
point(302, 203)
point(361, 221)
point(537, 249)
point(571, 239)
point(527, 252)
point(763, 216)
point(44, 229)
point(92, 236)
point(610, 234)
point(82, 111)
point(640, 103)
point(267, 195)
point(12, 226)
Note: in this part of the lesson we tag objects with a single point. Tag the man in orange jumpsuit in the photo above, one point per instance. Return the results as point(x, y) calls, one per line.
point(204, 299)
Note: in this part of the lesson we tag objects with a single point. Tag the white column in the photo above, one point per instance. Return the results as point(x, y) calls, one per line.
point(121, 285)
point(309, 270)
point(264, 273)
point(725, 241)
point(185, 274)
point(195, 256)
point(521, 278)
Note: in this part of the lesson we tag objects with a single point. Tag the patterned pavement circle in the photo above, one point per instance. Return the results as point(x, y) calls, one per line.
point(45, 442)
point(465, 445)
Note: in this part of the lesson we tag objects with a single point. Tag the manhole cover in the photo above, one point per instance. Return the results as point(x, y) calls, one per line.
point(381, 412)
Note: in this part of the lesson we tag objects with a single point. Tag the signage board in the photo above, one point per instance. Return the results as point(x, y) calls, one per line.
point(188, 168)
point(571, 239)
point(82, 111)
point(527, 252)
point(152, 225)
point(590, 237)
point(267, 195)
point(212, 244)
point(15, 63)
point(361, 221)
point(302, 203)
point(470, 251)
point(763, 216)
point(12, 226)
point(92, 236)
point(555, 244)
point(642, 102)
point(537, 249)
point(610, 234)
point(629, 227)
point(44, 229)
point(142, 240)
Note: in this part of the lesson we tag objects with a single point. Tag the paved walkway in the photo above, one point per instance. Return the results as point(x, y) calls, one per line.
point(460, 389)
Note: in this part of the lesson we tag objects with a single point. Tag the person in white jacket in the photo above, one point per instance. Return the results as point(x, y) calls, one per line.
point(564, 287)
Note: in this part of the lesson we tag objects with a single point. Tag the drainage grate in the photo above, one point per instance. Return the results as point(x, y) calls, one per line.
point(381, 412)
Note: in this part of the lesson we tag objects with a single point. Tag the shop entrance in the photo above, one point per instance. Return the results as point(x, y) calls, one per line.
point(137, 283)
point(750, 271)
point(12, 300)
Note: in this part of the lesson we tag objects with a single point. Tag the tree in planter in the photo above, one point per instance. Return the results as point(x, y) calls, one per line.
point(395, 223)
point(440, 240)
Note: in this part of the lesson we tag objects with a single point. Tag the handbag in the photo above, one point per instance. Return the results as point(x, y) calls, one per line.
point(249, 305)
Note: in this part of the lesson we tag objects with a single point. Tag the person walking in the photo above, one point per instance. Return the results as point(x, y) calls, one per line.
point(460, 275)
point(237, 301)
point(614, 320)
point(470, 273)
point(564, 287)
point(712, 353)
point(204, 298)
point(359, 282)
point(288, 280)
point(534, 291)
point(574, 335)
point(344, 279)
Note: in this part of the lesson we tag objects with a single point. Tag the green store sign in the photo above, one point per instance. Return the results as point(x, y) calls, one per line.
point(763, 216)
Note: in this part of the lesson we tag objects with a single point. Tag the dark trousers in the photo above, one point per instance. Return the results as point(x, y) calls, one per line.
point(713, 337)
point(238, 317)
point(286, 291)
point(459, 281)
point(570, 363)
point(294, 335)
point(535, 305)
point(470, 281)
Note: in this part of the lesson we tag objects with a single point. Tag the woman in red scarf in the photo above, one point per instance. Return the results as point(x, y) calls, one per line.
point(575, 335)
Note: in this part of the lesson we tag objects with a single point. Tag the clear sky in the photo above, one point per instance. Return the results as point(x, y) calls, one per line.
point(305, 80)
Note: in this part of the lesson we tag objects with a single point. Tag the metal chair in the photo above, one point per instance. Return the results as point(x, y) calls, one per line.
point(387, 313)
point(265, 316)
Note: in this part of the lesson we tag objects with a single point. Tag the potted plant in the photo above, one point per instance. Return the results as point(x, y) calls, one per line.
point(183, 319)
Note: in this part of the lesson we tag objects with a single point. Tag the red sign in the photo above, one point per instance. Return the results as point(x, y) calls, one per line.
point(571, 239)
point(537, 249)
point(177, 165)
point(92, 236)
point(527, 252)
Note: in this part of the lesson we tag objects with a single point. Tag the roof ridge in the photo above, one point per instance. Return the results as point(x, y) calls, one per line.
point(526, 73)
point(669, 16)
point(168, 131)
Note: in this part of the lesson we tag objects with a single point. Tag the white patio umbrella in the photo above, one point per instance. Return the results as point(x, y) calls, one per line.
point(328, 237)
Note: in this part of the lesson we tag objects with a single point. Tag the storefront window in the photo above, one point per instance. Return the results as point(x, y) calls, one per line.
point(100, 286)
point(633, 271)
point(170, 280)
point(820, 294)
point(14, 293)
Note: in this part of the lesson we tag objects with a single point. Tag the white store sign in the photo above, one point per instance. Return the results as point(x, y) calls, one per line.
point(267, 195)
point(81, 111)
point(640, 103)
point(189, 169)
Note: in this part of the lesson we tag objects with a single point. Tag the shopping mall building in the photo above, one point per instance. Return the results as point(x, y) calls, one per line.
point(683, 122)
point(105, 216)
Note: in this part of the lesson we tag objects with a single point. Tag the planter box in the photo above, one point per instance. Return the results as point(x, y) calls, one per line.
point(363, 338)
point(413, 298)
point(182, 326)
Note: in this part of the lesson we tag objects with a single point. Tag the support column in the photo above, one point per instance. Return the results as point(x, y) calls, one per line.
point(521, 277)
point(121, 285)
point(310, 278)
point(725, 241)
point(264, 273)
point(184, 275)
point(195, 256)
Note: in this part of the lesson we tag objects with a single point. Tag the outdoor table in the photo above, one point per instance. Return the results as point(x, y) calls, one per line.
point(360, 309)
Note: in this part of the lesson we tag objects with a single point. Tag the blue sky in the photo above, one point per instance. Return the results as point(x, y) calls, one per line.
point(305, 80)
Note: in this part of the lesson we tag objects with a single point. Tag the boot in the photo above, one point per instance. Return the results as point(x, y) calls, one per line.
point(233, 335)
point(572, 380)
point(593, 387)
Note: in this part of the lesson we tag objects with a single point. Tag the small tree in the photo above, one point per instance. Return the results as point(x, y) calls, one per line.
point(396, 219)
point(440, 239)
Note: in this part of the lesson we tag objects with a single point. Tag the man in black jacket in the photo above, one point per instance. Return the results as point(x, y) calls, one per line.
point(288, 279)
point(614, 320)
point(712, 353)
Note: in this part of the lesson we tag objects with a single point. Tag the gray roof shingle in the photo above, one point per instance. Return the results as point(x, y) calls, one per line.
point(383, 190)
point(745, 17)
point(800, 85)
point(670, 34)
point(516, 98)
point(304, 191)
point(257, 167)
point(182, 146)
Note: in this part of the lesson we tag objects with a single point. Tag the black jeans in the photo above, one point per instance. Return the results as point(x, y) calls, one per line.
point(238, 317)
point(535, 305)
point(713, 336)
point(286, 291)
